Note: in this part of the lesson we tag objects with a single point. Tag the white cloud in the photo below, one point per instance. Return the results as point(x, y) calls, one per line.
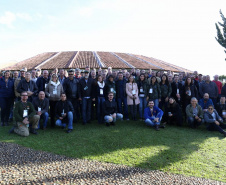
point(24, 16)
point(86, 11)
point(8, 18)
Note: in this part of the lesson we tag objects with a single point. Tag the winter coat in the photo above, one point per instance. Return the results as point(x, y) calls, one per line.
point(42, 83)
point(63, 105)
point(109, 107)
point(71, 88)
point(206, 104)
point(6, 90)
point(53, 87)
point(209, 118)
point(129, 88)
point(210, 88)
point(156, 91)
point(189, 111)
point(166, 90)
point(157, 113)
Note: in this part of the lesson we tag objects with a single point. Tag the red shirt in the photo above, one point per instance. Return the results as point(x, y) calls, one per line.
point(219, 86)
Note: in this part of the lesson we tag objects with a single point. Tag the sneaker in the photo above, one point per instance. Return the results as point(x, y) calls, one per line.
point(157, 128)
point(69, 131)
point(11, 131)
point(33, 131)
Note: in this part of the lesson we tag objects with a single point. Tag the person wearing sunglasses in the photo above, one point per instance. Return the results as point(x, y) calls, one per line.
point(215, 122)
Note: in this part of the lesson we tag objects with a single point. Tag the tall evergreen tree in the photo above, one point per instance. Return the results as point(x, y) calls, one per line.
point(221, 38)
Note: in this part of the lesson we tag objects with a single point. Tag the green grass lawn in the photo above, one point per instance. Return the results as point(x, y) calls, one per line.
point(179, 150)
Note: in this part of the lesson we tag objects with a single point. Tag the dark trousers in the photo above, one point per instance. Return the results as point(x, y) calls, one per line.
point(163, 103)
point(75, 104)
point(86, 109)
point(5, 104)
point(94, 109)
point(133, 110)
point(215, 127)
point(52, 105)
point(123, 101)
point(178, 120)
point(100, 101)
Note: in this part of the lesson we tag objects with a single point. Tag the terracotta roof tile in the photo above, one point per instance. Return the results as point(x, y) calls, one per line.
point(109, 60)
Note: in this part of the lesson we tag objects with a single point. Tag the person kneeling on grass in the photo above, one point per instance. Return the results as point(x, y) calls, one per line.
point(215, 122)
point(64, 113)
point(194, 113)
point(153, 115)
point(25, 117)
point(110, 110)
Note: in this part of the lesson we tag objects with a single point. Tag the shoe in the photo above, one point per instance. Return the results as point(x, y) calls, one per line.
point(84, 123)
point(163, 125)
point(33, 131)
point(6, 124)
point(11, 131)
point(2, 124)
point(127, 119)
point(89, 121)
point(44, 128)
point(62, 127)
point(113, 123)
point(69, 131)
point(157, 128)
point(224, 134)
point(107, 124)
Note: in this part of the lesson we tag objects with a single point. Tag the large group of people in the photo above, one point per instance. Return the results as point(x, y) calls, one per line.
point(68, 97)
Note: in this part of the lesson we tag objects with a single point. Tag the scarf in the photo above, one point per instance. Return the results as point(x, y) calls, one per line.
point(101, 85)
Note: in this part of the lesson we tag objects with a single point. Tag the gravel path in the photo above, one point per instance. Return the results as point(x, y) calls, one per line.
point(20, 165)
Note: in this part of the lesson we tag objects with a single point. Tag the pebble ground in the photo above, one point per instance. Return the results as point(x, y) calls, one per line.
point(20, 165)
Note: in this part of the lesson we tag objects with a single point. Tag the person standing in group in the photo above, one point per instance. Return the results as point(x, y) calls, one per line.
point(142, 88)
point(153, 91)
point(86, 95)
point(71, 88)
point(132, 97)
point(188, 91)
point(110, 86)
point(17, 81)
point(6, 97)
point(43, 81)
point(121, 96)
point(166, 91)
point(29, 86)
point(219, 86)
point(100, 96)
point(53, 91)
point(176, 89)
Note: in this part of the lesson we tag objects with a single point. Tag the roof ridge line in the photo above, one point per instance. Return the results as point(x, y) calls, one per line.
point(98, 59)
point(144, 60)
point(47, 60)
point(128, 64)
point(71, 59)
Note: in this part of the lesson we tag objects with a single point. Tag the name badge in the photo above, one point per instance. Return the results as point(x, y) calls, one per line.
point(45, 85)
point(25, 114)
point(133, 92)
point(151, 90)
point(101, 92)
point(85, 88)
point(141, 90)
point(223, 112)
point(178, 91)
point(112, 90)
point(39, 109)
point(55, 91)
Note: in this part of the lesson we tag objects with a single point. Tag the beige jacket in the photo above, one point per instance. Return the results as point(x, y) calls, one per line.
point(129, 89)
point(53, 91)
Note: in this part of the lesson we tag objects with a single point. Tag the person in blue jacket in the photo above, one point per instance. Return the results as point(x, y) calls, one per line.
point(153, 115)
point(205, 102)
point(6, 97)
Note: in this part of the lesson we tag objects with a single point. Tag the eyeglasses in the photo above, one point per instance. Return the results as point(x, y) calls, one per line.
point(210, 108)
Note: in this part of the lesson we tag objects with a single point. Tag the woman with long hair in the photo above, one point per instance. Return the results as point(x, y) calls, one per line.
point(153, 91)
point(142, 88)
point(53, 90)
point(189, 90)
point(132, 97)
point(166, 91)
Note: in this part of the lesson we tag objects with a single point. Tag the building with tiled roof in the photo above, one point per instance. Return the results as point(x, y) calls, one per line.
point(94, 59)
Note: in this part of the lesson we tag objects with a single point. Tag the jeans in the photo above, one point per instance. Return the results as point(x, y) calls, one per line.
point(142, 106)
point(86, 109)
point(152, 123)
point(219, 128)
point(193, 122)
point(109, 119)
point(6, 104)
point(125, 106)
point(100, 102)
point(70, 121)
point(45, 117)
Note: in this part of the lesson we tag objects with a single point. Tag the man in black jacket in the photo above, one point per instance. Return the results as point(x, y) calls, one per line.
point(110, 110)
point(176, 89)
point(86, 95)
point(71, 88)
point(41, 105)
point(43, 80)
point(121, 97)
point(64, 113)
point(29, 86)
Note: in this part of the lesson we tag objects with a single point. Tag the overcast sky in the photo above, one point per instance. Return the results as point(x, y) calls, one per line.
point(181, 32)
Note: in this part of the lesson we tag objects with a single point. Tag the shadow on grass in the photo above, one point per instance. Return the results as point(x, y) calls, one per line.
point(130, 143)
